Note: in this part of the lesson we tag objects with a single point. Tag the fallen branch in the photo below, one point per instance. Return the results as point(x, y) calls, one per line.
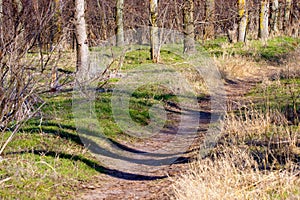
point(4, 180)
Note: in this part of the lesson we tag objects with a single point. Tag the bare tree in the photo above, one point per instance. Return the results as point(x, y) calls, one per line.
point(243, 18)
point(210, 18)
point(55, 23)
point(1, 23)
point(119, 22)
point(154, 35)
point(20, 81)
point(103, 17)
point(274, 16)
point(232, 34)
point(287, 15)
point(188, 25)
point(264, 20)
point(81, 35)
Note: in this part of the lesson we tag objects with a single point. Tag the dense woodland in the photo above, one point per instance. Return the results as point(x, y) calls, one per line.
point(51, 22)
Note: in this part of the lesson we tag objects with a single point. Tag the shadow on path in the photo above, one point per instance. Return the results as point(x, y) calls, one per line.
point(92, 164)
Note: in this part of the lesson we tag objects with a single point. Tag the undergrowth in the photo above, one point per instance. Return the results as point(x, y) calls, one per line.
point(258, 154)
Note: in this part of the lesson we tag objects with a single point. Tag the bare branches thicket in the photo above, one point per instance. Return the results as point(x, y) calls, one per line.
point(19, 71)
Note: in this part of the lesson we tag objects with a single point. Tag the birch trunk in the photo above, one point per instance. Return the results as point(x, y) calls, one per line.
point(243, 17)
point(264, 20)
point(154, 35)
point(188, 22)
point(119, 22)
point(275, 16)
point(81, 35)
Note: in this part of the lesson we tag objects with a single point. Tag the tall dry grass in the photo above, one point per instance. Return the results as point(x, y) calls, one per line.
point(256, 158)
point(236, 175)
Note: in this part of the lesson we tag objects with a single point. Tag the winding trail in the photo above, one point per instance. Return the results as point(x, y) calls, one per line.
point(114, 184)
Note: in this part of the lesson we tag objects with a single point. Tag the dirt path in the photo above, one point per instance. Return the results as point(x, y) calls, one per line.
point(114, 184)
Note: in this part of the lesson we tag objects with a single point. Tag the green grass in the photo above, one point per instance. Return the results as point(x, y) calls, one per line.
point(275, 49)
point(45, 166)
point(140, 102)
point(46, 159)
point(282, 95)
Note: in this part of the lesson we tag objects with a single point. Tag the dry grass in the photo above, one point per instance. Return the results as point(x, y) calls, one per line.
point(239, 67)
point(259, 150)
point(235, 175)
point(257, 158)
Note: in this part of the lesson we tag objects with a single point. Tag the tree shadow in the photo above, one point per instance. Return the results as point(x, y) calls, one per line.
point(151, 159)
point(92, 164)
point(148, 158)
point(61, 132)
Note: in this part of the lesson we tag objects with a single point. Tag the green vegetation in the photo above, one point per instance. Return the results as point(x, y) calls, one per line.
point(273, 51)
point(282, 95)
point(46, 159)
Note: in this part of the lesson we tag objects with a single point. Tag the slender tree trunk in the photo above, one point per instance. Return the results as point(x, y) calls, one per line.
point(102, 14)
point(1, 24)
point(56, 20)
point(264, 20)
point(243, 18)
point(55, 33)
point(119, 22)
point(154, 35)
point(209, 30)
point(189, 28)
point(287, 15)
point(81, 35)
point(275, 16)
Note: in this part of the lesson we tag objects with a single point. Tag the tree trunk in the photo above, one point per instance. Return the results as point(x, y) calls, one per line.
point(81, 35)
point(233, 34)
point(287, 15)
point(119, 22)
point(55, 22)
point(189, 28)
point(102, 15)
point(275, 16)
point(209, 31)
point(1, 25)
point(243, 18)
point(264, 20)
point(154, 35)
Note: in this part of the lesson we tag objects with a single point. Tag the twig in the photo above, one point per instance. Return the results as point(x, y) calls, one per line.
point(45, 163)
point(4, 180)
point(18, 127)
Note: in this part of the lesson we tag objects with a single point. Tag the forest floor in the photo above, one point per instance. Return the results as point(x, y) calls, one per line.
point(48, 160)
point(113, 184)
